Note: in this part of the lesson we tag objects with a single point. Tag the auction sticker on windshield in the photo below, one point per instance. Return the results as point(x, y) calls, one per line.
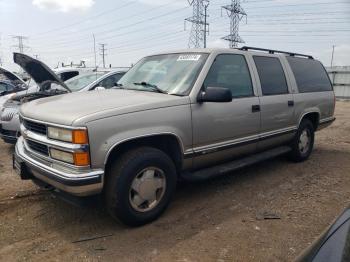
point(189, 57)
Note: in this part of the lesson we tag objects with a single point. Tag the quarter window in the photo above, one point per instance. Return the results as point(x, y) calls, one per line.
point(309, 74)
point(230, 71)
point(271, 75)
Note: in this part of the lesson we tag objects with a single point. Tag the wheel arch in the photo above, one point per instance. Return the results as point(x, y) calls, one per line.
point(169, 143)
point(313, 116)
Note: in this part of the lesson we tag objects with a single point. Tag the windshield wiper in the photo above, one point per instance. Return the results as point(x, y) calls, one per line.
point(152, 86)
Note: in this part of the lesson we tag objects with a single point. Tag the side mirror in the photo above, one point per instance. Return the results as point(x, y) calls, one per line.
point(215, 94)
point(99, 88)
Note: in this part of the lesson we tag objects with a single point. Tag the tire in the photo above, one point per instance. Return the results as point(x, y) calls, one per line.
point(140, 185)
point(303, 142)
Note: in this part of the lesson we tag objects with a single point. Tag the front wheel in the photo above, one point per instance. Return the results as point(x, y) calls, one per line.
point(303, 141)
point(139, 186)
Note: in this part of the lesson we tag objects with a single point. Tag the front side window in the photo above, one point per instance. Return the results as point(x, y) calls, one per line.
point(230, 71)
point(271, 75)
point(171, 73)
point(110, 81)
point(309, 74)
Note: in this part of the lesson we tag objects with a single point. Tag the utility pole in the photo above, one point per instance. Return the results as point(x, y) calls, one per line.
point(103, 54)
point(198, 20)
point(93, 35)
point(332, 55)
point(20, 45)
point(235, 12)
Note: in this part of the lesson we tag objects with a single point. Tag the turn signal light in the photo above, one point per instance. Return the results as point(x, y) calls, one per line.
point(80, 137)
point(81, 158)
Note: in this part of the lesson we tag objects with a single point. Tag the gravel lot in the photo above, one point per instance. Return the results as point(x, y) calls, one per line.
point(217, 220)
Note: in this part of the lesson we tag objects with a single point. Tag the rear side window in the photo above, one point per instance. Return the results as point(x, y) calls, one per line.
point(309, 74)
point(230, 71)
point(271, 75)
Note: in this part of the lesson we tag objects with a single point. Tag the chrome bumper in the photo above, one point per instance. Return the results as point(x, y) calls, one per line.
point(76, 182)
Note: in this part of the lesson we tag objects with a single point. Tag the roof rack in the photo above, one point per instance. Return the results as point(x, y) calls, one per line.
point(271, 51)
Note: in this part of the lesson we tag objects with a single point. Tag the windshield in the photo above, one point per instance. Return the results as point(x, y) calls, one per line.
point(78, 82)
point(170, 73)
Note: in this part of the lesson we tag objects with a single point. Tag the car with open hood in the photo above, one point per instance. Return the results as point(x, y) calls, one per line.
point(49, 83)
point(190, 114)
point(10, 83)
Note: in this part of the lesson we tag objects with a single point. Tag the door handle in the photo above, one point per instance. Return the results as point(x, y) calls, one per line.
point(290, 103)
point(255, 108)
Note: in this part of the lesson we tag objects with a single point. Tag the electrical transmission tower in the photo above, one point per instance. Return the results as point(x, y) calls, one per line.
point(103, 54)
point(199, 23)
point(20, 38)
point(235, 12)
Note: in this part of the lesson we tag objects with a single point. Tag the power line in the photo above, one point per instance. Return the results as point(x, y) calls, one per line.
point(235, 12)
point(199, 24)
point(87, 19)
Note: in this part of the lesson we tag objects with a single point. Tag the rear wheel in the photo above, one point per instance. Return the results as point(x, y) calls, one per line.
point(140, 185)
point(303, 141)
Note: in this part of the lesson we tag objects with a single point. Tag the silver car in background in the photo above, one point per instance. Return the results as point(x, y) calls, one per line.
point(9, 119)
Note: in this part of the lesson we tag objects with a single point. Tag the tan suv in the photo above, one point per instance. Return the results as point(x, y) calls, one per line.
point(190, 114)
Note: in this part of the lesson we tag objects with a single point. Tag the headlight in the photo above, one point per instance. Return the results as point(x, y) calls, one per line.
point(76, 158)
point(73, 136)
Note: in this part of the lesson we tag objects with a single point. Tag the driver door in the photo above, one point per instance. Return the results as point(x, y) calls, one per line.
point(224, 130)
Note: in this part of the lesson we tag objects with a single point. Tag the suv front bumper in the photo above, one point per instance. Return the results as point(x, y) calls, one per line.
point(78, 183)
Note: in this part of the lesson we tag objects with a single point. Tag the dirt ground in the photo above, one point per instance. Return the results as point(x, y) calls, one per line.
point(216, 220)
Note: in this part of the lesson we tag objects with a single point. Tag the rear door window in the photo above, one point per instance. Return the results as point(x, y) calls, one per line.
point(230, 71)
point(271, 75)
point(309, 74)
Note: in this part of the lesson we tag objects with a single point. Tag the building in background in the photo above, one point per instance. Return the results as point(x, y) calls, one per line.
point(340, 78)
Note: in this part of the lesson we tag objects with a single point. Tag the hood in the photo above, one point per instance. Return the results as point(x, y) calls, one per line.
point(79, 108)
point(38, 71)
point(7, 75)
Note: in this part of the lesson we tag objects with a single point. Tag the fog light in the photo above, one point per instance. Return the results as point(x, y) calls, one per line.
point(62, 155)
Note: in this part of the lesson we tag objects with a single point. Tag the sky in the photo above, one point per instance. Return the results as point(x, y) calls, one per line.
point(59, 31)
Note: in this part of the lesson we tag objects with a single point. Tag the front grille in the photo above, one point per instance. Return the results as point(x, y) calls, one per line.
point(38, 147)
point(35, 127)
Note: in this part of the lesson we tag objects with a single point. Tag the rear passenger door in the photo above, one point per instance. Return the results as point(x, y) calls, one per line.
point(276, 102)
point(225, 130)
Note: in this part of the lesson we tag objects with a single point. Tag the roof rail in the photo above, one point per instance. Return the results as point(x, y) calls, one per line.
point(271, 51)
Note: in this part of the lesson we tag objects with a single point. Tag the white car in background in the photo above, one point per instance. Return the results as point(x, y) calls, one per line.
point(48, 84)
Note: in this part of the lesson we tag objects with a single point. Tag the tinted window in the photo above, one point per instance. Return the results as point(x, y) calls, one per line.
point(309, 74)
point(230, 71)
point(111, 81)
point(68, 75)
point(271, 75)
